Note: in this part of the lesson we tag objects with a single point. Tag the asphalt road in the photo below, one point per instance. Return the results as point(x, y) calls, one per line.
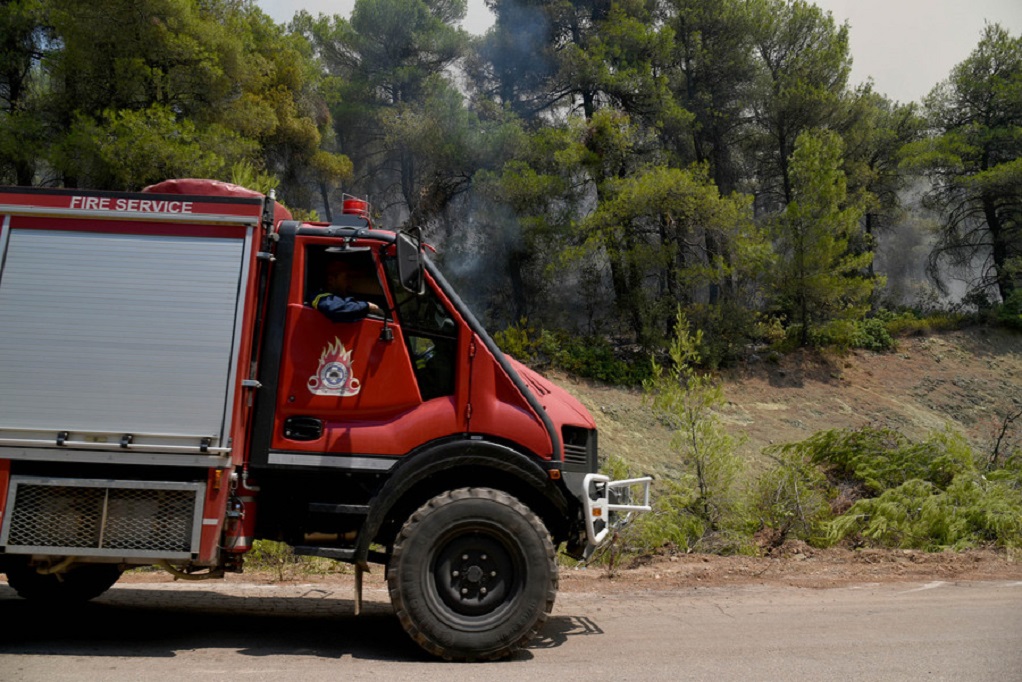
point(220, 631)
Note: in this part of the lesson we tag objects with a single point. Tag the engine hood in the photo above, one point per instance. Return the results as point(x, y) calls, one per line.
point(561, 406)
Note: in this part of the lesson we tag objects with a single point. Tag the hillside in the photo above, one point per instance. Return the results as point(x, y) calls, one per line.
point(968, 380)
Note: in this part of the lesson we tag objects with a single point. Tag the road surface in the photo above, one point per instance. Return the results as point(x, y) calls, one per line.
point(248, 632)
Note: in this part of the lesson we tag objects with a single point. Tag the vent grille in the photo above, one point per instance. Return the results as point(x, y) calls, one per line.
point(136, 519)
point(579, 449)
point(575, 454)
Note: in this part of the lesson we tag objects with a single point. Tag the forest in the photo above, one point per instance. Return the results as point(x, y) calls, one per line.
point(593, 173)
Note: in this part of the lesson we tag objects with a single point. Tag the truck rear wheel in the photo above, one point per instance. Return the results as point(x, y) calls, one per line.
point(80, 584)
point(473, 575)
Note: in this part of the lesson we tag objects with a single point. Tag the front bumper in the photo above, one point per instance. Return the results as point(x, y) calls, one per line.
point(608, 504)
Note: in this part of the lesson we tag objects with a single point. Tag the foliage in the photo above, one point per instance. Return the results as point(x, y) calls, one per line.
point(172, 88)
point(587, 357)
point(926, 495)
point(791, 500)
point(276, 557)
point(685, 399)
point(671, 526)
point(868, 334)
point(1009, 314)
point(880, 458)
point(910, 322)
point(132, 149)
point(918, 514)
point(655, 225)
point(279, 559)
point(805, 66)
point(974, 162)
point(818, 279)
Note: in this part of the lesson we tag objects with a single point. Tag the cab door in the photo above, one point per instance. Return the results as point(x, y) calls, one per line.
point(348, 388)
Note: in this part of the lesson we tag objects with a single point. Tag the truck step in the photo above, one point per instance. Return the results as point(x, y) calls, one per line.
point(328, 508)
point(338, 553)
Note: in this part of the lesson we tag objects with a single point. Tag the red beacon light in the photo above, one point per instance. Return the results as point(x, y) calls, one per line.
point(356, 207)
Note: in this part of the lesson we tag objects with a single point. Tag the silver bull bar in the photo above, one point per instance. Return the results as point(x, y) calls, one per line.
point(609, 504)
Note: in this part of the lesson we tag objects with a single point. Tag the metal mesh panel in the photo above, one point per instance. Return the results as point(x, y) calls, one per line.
point(150, 519)
point(64, 517)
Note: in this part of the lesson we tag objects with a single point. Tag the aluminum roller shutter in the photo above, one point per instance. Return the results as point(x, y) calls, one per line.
point(117, 332)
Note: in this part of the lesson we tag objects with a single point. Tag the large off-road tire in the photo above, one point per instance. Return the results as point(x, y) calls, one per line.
point(76, 586)
point(473, 575)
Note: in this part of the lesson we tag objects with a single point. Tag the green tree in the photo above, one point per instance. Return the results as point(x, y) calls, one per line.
point(875, 130)
point(655, 223)
point(817, 278)
point(172, 88)
point(712, 69)
point(974, 160)
point(513, 65)
point(525, 209)
point(805, 63)
point(387, 67)
point(23, 39)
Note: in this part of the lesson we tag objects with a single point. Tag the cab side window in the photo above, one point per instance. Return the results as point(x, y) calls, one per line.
point(361, 281)
point(430, 334)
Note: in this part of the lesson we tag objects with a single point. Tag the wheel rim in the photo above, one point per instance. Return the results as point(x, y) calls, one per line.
point(476, 573)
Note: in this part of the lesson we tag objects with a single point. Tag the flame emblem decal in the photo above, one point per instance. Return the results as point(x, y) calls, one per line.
point(334, 374)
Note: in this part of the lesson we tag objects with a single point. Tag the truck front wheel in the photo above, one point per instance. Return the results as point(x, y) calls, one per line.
point(80, 584)
point(473, 575)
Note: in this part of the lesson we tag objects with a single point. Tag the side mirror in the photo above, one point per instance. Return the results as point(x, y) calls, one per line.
point(409, 261)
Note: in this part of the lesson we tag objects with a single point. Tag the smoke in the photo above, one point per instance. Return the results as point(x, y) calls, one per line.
point(902, 253)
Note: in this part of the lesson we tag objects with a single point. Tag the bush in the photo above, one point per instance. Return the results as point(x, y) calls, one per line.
point(279, 558)
point(1009, 314)
point(590, 357)
point(910, 323)
point(792, 500)
point(878, 459)
point(919, 515)
point(671, 526)
point(927, 495)
point(869, 334)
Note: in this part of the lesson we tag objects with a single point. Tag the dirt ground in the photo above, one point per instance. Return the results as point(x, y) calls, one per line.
point(801, 566)
point(796, 565)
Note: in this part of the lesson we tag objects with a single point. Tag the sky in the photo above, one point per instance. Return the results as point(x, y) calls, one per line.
point(905, 46)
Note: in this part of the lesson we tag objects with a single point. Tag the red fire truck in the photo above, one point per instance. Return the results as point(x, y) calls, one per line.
point(168, 394)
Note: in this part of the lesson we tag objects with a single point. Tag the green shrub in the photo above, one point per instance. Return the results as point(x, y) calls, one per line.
point(919, 515)
point(869, 334)
point(872, 335)
point(792, 500)
point(273, 557)
point(1009, 313)
point(878, 459)
point(672, 526)
point(909, 324)
point(590, 357)
point(517, 341)
point(279, 558)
